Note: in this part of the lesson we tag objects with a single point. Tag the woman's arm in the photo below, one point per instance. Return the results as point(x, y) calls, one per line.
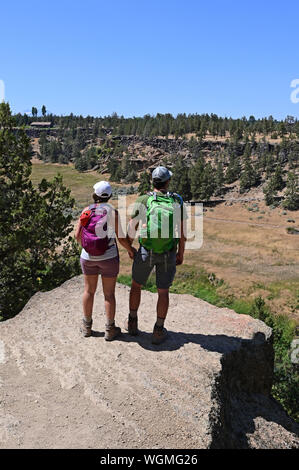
point(78, 232)
point(79, 229)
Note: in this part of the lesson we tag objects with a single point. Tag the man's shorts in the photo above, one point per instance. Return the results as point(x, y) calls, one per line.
point(165, 265)
point(106, 268)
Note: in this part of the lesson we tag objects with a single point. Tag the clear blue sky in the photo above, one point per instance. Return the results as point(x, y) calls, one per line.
point(233, 58)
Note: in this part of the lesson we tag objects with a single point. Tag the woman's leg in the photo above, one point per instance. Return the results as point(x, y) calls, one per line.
point(109, 296)
point(112, 331)
point(91, 282)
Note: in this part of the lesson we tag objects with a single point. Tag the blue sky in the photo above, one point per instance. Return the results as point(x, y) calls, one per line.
point(137, 57)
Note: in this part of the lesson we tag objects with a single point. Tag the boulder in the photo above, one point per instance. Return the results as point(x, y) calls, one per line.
point(207, 386)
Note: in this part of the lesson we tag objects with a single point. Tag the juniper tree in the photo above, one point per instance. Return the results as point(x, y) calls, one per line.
point(36, 251)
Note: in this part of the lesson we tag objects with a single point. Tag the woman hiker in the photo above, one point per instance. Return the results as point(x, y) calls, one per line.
point(96, 230)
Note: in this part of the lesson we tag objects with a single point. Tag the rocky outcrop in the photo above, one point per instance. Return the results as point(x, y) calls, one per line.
point(207, 386)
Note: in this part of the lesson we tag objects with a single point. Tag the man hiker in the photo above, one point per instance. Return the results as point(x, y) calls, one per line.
point(161, 216)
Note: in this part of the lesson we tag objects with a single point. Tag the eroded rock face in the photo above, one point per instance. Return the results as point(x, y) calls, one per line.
point(207, 386)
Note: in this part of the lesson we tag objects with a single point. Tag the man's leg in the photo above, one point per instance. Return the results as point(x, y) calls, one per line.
point(165, 272)
point(159, 332)
point(135, 297)
point(141, 270)
point(162, 306)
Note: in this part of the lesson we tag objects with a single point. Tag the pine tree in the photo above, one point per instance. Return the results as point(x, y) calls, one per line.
point(269, 165)
point(81, 163)
point(145, 183)
point(278, 183)
point(208, 183)
point(131, 176)
point(180, 181)
point(219, 179)
point(196, 174)
point(291, 200)
point(233, 170)
point(270, 193)
point(249, 177)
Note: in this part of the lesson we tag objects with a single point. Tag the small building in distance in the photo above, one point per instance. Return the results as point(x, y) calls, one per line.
point(41, 124)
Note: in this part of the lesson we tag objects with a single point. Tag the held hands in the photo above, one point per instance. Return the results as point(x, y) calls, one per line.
point(131, 252)
point(179, 258)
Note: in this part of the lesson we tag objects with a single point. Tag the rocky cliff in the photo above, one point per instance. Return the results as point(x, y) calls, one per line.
point(207, 386)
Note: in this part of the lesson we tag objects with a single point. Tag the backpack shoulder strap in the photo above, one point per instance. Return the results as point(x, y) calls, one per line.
point(177, 196)
point(152, 194)
point(92, 207)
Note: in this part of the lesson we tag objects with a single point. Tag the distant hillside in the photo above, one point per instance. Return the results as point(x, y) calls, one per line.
point(204, 168)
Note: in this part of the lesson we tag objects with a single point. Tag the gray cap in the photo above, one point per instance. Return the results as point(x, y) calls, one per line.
point(161, 174)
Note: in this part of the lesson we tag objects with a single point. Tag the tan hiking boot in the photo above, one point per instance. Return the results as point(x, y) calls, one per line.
point(131, 325)
point(159, 334)
point(112, 332)
point(86, 328)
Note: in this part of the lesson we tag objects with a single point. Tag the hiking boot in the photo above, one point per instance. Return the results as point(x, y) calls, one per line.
point(131, 325)
point(86, 328)
point(112, 332)
point(159, 334)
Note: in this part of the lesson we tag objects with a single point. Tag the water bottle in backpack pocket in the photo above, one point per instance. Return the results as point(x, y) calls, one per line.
point(94, 238)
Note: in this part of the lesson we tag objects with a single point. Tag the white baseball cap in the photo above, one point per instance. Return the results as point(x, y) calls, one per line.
point(102, 188)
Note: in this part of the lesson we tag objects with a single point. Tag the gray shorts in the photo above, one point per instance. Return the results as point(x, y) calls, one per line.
point(144, 263)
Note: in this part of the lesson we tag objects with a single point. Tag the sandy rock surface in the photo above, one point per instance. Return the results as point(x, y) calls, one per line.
point(206, 386)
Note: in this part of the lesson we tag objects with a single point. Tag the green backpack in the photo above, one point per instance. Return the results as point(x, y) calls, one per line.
point(162, 218)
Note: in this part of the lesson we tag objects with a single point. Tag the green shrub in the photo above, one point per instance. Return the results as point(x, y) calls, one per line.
point(37, 252)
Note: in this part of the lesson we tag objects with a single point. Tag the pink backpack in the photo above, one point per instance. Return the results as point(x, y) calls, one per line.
point(94, 237)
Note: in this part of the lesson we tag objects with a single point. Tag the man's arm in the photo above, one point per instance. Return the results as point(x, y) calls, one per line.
point(124, 241)
point(132, 229)
point(139, 214)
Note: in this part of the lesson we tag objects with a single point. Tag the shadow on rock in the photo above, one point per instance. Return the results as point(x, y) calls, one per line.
point(176, 340)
